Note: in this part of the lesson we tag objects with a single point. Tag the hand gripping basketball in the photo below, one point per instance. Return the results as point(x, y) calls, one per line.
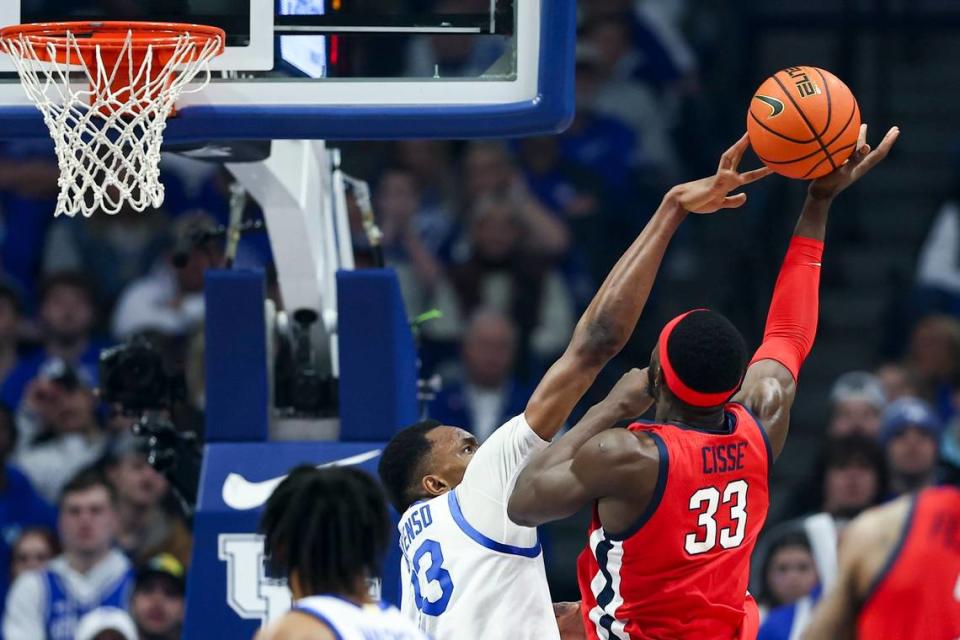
point(858, 165)
point(709, 195)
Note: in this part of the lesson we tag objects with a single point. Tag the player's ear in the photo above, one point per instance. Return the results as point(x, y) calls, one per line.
point(434, 485)
point(654, 379)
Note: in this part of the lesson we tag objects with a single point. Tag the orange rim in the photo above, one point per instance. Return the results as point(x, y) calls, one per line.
point(112, 35)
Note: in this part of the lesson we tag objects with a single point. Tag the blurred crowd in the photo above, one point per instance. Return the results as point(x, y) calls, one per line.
point(506, 239)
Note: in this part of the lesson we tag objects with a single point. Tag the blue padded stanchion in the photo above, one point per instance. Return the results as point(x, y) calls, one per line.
point(238, 383)
point(378, 361)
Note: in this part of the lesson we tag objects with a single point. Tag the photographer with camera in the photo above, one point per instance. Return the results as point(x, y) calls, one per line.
point(135, 382)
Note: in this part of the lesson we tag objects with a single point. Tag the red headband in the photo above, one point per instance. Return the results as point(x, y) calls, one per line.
point(675, 384)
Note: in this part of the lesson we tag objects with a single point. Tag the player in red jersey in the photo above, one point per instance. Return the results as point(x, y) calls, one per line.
point(680, 502)
point(899, 569)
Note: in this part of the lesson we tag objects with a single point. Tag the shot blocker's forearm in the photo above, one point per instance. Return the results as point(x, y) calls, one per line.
point(612, 315)
point(607, 323)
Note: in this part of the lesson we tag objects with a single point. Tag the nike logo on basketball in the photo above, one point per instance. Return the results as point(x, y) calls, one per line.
point(776, 107)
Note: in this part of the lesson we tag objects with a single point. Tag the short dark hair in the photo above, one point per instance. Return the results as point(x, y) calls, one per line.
point(329, 525)
point(87, 479)
point(71, 279)
point(707, 352)
point(402, 462)
point(840, 452)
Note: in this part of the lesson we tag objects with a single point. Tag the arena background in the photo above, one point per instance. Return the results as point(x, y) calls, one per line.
point(662, 88)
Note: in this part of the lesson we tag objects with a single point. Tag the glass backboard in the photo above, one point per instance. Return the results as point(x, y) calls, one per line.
point(348, 69)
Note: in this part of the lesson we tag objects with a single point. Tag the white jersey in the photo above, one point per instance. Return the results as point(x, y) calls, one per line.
point(349, 621)
point(468, 572)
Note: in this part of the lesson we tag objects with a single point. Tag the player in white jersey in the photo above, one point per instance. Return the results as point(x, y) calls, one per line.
point(469, 572)
point(326, 531)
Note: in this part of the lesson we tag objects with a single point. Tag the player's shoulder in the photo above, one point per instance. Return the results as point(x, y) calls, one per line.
point(626, 448)
point(296, 625)
point(879, 520)
point(877, 530)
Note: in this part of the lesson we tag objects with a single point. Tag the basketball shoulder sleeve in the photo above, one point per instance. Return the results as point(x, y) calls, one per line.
point(490, 477)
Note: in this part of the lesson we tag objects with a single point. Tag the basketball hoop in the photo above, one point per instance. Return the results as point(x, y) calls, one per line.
point(108, 126)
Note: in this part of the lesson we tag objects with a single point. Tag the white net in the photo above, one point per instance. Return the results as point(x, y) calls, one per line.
point(107, 107)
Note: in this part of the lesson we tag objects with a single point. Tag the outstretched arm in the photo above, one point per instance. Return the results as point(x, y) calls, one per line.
point(588, 461)
point(770, 385)
point(610, 318)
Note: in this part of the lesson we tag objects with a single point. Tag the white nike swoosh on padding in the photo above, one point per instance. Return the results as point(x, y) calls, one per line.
point(241, 494)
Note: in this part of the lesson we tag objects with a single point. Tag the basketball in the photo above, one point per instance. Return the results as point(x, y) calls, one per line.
point(803, 122)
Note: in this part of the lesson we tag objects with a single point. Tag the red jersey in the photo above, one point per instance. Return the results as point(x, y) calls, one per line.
point(917, 595)
point(682, 570)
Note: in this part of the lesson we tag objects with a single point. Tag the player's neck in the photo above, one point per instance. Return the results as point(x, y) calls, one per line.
point(710, 418)
point(360, 595)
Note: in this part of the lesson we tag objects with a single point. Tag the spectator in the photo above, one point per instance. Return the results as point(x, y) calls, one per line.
point(788, 621)
point(67, 319)
point(447, 56)
point(938, 275)
point(489, 172)
point(563, 187)
point(146, 528)
point(112, 250)
point(857, 402)
point(789, 571)
point(32, 550)
point(169, 300)
point(657, 53)
point(501, 275)
point(933, 359)
point(572, 193)
point(604, 90)
point(28, 194)
point(157, 603)
point(896, 381)
point(20, 505)
point(398, 204)
point(59, 427)
point(910, 435)
point(10, 310)
point(852, 475)
point(597, 142)
point(435, 169)
point(106, 623)
point(399, 199)
point(489, 395)
point(91, 573)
